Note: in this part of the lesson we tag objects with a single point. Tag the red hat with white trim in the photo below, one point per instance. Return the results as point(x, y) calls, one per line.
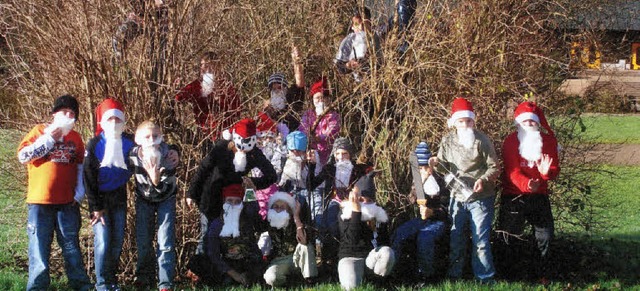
point(266, 126)
point(530, 111)
point(284, 196)
point(321, 86)
point(461, 108)
point(244, 134)
point(106, 109)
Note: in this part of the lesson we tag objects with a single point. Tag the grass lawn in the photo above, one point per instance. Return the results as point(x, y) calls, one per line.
point(13, 236)
point(606, 260)
point(613, 128)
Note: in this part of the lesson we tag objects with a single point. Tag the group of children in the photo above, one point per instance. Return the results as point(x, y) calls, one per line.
point(274, 190)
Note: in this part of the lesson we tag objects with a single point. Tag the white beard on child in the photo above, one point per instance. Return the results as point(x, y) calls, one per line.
point(530, 147)
point(240, 161)
point(207, 84)
point(319, 107)
point(466, 136)
point(343, 173)
point(277, 219)
point(231, 220)
point(63, 122)
point(113, 152)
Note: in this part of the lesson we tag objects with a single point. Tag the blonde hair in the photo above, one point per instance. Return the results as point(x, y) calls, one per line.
point(149, 123)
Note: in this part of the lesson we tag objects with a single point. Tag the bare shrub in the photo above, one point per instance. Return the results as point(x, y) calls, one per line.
point(496, 53)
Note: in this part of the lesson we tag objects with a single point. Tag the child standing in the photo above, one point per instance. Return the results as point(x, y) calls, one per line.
point(155, 199)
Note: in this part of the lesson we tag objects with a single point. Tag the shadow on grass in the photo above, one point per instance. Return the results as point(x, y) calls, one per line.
point(580, 260)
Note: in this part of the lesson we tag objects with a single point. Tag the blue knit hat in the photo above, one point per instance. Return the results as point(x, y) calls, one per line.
point(423, 153)
point(297, 140)
point(277, 78)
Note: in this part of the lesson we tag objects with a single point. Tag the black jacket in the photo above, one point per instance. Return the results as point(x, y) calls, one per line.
point(356, 236)
point(328, 176)
point(217, 170)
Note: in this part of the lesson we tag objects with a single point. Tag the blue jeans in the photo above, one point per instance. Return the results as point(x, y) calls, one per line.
point(107, 245)
point(478, 215)
point(426, 234)
point(63, 219)
point(166, 254)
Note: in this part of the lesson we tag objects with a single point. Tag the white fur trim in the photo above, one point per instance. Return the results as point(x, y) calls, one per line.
point(240, 161)
point(284, 196)
point(112, 112)
point(226, 134)
point(368, 213)
point(527, 115)
point(460, 114)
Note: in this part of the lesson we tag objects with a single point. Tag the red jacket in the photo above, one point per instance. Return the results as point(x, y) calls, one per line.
point(215, 112)
point(517, 170)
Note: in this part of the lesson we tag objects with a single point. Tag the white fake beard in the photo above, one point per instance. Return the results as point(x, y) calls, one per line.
point(370, 211)
point(151, 154)
point(240, 161)
point(359, 46)
point(293, 167)
point(343, 173)
point(207, 84)
point(530, 147)
point(277, 219)
point(113, 155)
point(63, 122)
point(431, 186)
point(319, 107)
point(278, 99)
point(466, 137)
point(231, 219)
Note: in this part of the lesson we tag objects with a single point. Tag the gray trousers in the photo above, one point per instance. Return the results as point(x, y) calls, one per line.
point(303, 259)
point(351, 270)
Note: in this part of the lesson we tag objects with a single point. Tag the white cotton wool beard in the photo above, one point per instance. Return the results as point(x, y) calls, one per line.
point(277, 219)
point(466, 136)
point(343, 173)
point(530, 147)
point(207, 84)
point(231, 219)
point(240, 161)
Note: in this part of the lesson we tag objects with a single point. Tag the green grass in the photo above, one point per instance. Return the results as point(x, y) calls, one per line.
point(607, 260)
point(622, 195)
point(613, 128)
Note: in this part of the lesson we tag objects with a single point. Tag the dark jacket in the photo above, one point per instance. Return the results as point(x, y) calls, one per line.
point(290, 115)
point(217, 170)
point(328, 176)
point(245, 246)
point(356, 236)
point(106, 187)
point(284, 240)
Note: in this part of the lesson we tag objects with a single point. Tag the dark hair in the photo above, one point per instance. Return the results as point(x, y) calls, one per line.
point(66, 101)
point(359, 10)
point(209, 56)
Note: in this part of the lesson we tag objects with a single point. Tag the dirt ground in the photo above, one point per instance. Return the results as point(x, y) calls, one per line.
point(618, 154)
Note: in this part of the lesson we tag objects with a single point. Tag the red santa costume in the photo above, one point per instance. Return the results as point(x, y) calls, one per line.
point(216, 105)
point(530, 161)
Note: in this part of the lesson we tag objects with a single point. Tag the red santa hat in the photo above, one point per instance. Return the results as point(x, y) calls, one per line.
point(244, 134)
point(284, 196)
point(321, 86)
point(529, 110)
point(460, 108)
point(106, 109)
point(266, 126)
point(233, 190)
